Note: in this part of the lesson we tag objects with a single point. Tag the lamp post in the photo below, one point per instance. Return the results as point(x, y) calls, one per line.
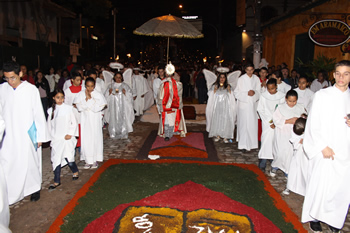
point(257, 34)
point(114, 13)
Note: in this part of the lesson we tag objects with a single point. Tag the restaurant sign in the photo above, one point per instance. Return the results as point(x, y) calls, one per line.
point(329, 33)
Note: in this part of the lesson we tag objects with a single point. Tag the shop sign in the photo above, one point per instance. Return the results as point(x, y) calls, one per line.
point(329, 33)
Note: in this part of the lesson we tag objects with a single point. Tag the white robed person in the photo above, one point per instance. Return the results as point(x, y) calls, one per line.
point(327, 145)
point(142, 93)
point(269, 100)
point(120, 115)
point(247, 94)
point(305, 95)
point(90, 103)
point(20, 156)
point(172, 120)
point(4, 202)
point(284, 118)
point(221, 108)
point(299, 163)
point(156, 83)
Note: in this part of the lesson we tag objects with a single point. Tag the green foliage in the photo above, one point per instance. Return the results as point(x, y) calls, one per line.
point(320, 63)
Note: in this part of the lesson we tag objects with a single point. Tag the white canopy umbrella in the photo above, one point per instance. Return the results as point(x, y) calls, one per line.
point(168, 26)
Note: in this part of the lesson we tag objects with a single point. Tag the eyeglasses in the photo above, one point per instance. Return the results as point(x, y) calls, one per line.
point(13, 78)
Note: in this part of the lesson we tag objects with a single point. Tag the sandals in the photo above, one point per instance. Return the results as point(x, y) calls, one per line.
point(53, 186)
point(75, 177)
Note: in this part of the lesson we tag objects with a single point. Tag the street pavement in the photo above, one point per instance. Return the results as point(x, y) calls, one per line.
point(128, 149)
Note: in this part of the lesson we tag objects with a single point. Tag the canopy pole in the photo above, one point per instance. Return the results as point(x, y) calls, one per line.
point(167, 52)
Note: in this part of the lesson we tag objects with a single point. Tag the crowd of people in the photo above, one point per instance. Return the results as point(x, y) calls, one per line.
point(302, 125)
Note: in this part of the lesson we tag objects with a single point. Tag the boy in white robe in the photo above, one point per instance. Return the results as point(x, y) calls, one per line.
point(305, 95)
point(268, 102)
point(327, 144)
point(22, 110)
point(299, 162)
point(4, 202)
point(321, 81)
point(247, 94)
point(281, 85)
point(139, 89)
point(90, 104)
point(156, 83)
point(284, 118)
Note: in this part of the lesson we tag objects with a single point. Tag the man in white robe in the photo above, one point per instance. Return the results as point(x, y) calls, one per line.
point(139, 89)
point(4, 202)
point(156, 84)
point(247, 94)
point(19, 156)
point(327, 145)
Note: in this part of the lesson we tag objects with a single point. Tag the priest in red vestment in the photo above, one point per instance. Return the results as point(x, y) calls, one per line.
point(170, 104)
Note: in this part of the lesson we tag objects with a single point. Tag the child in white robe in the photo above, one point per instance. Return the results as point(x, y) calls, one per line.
point(284, 118)
point(297, 176)
point(120, 115)
point(90, 103)
point(305, 95)
point(268, 102)
point(63, 128)
point(220, 110)
point(281, 85)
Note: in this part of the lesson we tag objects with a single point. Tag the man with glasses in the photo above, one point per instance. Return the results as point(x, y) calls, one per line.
point(20, 151)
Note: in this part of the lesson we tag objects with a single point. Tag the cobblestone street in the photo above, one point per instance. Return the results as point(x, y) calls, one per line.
point(37, 217)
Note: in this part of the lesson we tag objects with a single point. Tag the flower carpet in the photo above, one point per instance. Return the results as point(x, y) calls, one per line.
point(195, 146)
point(176, 196)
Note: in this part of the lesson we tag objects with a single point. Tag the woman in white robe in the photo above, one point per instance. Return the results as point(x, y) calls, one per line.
point(220, 110)
point(63, 129)
point(90, 104)
point(305, 95)
point(284, 118)
point(268, 102)
point(120, 115)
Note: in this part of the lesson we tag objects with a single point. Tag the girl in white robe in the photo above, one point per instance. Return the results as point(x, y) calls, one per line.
point(297, 176)
point(305, 95)
point(63, 128)
point(284, 118)
point(90, 104)
point(268, 102)
point(220, 110)
point(120, 115)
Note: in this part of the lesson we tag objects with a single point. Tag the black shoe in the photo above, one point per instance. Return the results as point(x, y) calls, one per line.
point(35, 196)
point(166, 139)
point(244, 150)
point(333, 229)
point(316, 226)
point(53, 186)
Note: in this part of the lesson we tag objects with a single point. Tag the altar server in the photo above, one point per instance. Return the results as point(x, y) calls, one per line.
point(284, 118)
point(20, 156)
point(90, 104)
point(269, 100)
point(247, 94)
point(327, 144)
point(305, 95)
